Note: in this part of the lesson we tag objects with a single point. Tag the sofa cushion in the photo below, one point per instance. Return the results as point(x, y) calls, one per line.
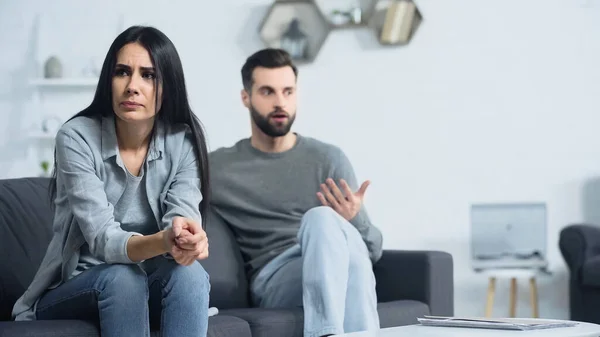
point(225, 326)
point(25, 229)
point(58, 328)
point(271, 322)
point(399, 313)
point(218, 326)
point(290, 322)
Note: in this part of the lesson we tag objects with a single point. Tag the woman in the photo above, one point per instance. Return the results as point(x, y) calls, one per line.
point(130, 185)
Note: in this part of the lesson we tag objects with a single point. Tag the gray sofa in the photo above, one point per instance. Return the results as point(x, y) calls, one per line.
point(580, 247)
point(409, 283)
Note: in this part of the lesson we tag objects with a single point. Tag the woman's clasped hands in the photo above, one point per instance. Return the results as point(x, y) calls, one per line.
point(186, 241)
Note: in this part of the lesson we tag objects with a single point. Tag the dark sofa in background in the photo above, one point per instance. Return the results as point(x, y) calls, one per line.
point(580, 247)
point(409, 283)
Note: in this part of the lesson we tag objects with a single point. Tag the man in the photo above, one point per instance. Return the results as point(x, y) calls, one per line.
point(293, 204)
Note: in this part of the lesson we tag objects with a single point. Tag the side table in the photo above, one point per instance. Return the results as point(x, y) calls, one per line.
point(512, 274)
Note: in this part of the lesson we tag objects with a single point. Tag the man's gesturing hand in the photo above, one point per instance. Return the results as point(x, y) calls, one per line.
point(348, 203)
point(186, 241)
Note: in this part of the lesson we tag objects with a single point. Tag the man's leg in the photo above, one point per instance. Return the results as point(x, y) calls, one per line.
point(114, 294)
point(333, 282)
point(361, 299)
point(279, 283)
point(179, 297)
point(339, 285)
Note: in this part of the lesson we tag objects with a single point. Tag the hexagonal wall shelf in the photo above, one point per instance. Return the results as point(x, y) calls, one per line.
point(298, 26)
point(395, 22)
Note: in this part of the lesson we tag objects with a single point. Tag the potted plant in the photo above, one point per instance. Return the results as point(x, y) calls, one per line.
point(45, 168)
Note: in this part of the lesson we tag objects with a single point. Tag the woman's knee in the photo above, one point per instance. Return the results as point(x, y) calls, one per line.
point(123, 279)
point(191, 281)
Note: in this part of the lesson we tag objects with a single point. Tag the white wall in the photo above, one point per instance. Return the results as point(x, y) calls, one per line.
point(493, 101)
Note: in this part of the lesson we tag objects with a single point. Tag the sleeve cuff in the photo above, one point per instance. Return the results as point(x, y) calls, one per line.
point(116, 249)
point(360, 220)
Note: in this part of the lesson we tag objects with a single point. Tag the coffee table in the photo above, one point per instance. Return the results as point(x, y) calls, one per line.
point(581, 330)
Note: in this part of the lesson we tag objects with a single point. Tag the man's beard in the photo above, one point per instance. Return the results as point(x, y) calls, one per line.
point(268, 128)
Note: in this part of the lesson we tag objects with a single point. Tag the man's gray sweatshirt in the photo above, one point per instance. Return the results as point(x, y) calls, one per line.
point(263, 196)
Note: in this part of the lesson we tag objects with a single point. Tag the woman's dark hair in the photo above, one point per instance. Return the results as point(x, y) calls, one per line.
point(174, 108)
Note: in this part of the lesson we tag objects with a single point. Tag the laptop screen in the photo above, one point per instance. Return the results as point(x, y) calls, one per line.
point(508, 231)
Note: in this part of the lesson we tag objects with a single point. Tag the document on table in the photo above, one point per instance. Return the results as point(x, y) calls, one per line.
point(494, 323)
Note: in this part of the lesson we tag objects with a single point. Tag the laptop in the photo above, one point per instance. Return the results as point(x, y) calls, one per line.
point(511, 235)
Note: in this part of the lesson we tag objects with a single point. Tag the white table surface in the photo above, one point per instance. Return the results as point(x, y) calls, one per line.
point(510, 273)
point(581, 330)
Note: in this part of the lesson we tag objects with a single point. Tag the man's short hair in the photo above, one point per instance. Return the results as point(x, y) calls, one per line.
point(267, 58)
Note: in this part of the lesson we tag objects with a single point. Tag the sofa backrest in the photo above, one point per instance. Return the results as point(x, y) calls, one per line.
point(225, 266)
point(26, 230)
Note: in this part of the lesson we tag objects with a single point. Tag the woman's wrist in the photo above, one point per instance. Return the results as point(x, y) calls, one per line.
point(140, 248)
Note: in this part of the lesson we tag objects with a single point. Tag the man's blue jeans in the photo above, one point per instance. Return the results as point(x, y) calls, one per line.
point(125, 299)
point(329, 273)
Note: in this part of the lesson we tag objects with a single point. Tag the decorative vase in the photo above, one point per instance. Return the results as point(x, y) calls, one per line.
point(91, 70)
point(339, 18)
point(295, 41)
point(51, 124)
point(356, 15)
point(53, 68)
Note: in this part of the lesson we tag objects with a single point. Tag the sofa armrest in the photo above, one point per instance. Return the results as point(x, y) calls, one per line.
point(578, 243)
point(425, 276)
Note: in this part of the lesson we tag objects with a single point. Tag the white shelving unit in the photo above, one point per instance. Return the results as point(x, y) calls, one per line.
point(65, 82)
point(41, 144)
point(40, 86)
point(41, 136)
point(46, 92)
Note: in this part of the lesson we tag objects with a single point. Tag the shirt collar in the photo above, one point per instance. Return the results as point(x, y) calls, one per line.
point(109, 139)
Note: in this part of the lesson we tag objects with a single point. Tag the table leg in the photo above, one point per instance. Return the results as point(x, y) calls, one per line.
point(490, 297)
point(513, 297)
point(534, 297)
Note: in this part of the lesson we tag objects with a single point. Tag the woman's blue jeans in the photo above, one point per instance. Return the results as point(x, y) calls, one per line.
point(125, 299)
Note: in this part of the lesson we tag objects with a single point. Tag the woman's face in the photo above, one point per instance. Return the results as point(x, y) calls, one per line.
point(133, 89)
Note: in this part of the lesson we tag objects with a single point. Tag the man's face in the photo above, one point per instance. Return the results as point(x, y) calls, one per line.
point(272, 101)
